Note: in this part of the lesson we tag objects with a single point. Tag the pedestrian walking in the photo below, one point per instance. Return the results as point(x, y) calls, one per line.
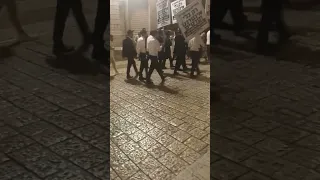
point(195, 45)
point(153, 48)
point(272, 12)
point(142, 54)
point(167, 50)
point(11, 5)
point(99, 52)
point(129, 52)
point(208, 46)
point(62, 11)
point(112, 59)
point(180, 51)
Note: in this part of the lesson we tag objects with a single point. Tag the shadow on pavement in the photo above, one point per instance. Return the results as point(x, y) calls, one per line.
point(7, 50)
point(75, 64)
point(160, 87)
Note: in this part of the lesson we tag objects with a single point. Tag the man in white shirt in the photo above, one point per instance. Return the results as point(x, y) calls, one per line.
point(195, 44)
point(153, 48)
point(208, 45)
point(142, 53)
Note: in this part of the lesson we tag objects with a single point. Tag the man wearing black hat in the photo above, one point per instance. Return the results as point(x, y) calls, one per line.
point(129, 52)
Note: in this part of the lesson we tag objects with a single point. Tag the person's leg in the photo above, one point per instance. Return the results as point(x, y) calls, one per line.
point(193, 64)
point(197, 62)
point(81, 20)
point(151, 69)
point(158, 68)
point(135, 67)
point(177, 65)
point(265, 24)
point(99, 52)
point(184, 63)
point(113, 62)
point(13, 16)
point(62, 12)
point(130, 62)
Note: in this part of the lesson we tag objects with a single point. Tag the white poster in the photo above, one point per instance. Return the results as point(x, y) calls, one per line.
point(192, 20)
point(207, 8)
point(177, 6)
point(163, 13)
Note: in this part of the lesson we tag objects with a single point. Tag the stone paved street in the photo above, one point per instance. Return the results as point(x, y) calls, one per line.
point(157, 132)
point(267, 125)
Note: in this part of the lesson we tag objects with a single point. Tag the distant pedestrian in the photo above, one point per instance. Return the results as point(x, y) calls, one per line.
point(195, 45)
point(11, 5)
point(62, 11)
point(167, 50)
point(142, 54)
point(153, 48)
point(180, 51)
point(112, 59)
point(129, 52)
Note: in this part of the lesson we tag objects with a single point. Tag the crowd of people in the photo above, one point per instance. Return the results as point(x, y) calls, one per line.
point(157, 47)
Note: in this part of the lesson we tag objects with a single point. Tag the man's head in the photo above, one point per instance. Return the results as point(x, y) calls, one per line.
point(143, 33)
point(130, 33)
point(153, 33)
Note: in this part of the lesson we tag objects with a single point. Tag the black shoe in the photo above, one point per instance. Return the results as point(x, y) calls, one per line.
point(175, 73)
point(62, 49)
point(163, 79)
point(142, 78)
point(149, 81)
point(129, 77)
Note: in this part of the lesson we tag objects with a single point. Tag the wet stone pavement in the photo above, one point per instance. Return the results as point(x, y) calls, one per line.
point(157, 132)
point(267, 125)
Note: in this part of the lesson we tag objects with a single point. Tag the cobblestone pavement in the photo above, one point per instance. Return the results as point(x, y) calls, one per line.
point(267, 125)
point(159, 131)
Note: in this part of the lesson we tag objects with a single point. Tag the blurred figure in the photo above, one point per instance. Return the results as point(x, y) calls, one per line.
point(99, 52)
point(142, 54)
point(62, 12)
point(129, 52)
point(208, 45)
point(195, 45)
point(272, 12)
point(180, 51)
point(112, 59)
point(11, 5)
point(153, 48)
point(167, 50)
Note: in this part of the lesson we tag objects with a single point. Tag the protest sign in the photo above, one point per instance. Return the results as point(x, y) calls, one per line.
point(207, 8)
point(177, 6)
point(163, 13)
point(192, 20)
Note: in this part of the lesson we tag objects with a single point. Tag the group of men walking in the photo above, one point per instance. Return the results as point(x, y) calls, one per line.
point(157, 48)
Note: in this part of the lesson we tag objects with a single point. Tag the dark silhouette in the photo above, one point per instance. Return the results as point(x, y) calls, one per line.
point(180, 50)
point(62, 12)
point(129, 51)
point(99, 52)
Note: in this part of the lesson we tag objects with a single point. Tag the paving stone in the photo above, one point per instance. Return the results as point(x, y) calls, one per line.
point(274, 146)
point(70, 147)
point(10, 170)
point(6, 132)
point(304, 157)
point(89, 132)
point(225, 169)
point(287, 134)
point(253, 176)
point(312, 142)
point(246, 136)
point(101, 171)
point(89, 158)
point(71, 172)
point(14, 143)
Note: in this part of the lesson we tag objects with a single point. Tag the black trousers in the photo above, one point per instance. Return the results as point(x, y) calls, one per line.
point(195, 57)
point(167, 55)
point(154, 66)
point(272, 12)
point(131, 62)
point(180, 61)
point(100, 26)
point(62, 11)
point(143, 64)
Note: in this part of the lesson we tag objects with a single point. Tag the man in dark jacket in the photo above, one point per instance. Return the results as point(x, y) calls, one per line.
point(180, 51)
point(167, 50)
point(129, 52)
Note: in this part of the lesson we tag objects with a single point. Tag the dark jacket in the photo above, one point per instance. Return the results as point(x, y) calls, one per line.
point(167, 47)
point(180, 46)
point(128, 48)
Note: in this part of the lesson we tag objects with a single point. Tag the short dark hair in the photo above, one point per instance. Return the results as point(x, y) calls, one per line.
point(153, 32)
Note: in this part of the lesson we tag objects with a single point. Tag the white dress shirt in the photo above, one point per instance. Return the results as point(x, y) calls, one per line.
point(208, 37)
point(195, 43)
point(153, 46)
point(141, 45)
